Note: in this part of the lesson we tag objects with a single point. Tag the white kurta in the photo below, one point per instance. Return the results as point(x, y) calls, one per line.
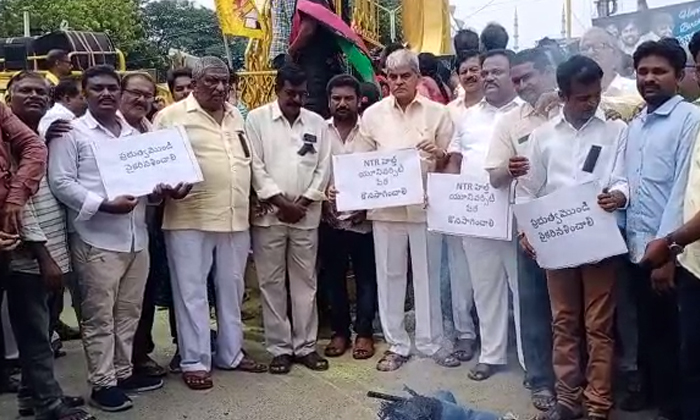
point(492, 263)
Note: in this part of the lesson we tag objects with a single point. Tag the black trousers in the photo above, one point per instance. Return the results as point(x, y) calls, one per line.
point(689, 322)
point(339, 250)
point(659, 342)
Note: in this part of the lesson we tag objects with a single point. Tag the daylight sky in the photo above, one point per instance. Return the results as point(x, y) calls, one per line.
point(537, 18)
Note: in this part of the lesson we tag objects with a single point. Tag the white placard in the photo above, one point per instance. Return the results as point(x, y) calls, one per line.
point(568, 228)
point(467, 205)
point(134, 165)
point(376, 180)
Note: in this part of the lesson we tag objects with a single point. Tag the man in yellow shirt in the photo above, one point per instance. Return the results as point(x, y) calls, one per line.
point(59, 65)
point(211, 222)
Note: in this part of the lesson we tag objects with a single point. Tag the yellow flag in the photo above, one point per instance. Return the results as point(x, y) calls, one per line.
point(239, 18)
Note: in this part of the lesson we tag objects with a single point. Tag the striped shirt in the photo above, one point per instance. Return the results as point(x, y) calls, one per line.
point(282, 15)
point(44, 221)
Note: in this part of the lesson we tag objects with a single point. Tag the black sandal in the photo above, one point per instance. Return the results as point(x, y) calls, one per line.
point(281, 365)
point(313, 361)
point(481, 372)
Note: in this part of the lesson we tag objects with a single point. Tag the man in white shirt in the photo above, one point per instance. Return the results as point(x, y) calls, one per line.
point(291, 167)
point(110, 244)
point(407, 120)
point(577, 147)
point(468, 66)
point(492, 263)
point(69, 103)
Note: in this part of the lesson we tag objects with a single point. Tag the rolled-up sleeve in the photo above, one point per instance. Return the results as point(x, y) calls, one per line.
point(322, 173)
point(263, 184)
point(30, 152)
point(672, 216)
point(63, 178)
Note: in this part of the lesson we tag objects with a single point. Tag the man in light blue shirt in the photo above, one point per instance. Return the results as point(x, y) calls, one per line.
point(659, 144)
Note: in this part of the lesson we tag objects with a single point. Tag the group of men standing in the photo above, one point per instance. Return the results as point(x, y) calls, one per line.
point(268, 186)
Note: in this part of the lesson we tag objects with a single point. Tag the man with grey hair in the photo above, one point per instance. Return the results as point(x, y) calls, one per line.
point(407, 119)
point(209, 225)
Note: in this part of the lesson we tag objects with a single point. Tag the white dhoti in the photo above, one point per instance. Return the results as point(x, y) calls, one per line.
point(190, 257)
point(493, 267)
point(391, 243)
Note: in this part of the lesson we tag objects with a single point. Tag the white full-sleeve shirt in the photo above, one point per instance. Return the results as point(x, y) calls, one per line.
point(558, 154)
point(75, 180)
point(280, 168)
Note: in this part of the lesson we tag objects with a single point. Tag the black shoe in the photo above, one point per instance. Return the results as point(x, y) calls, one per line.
point(136, 383)
point(66, 401)
point(632, 398)
point(110, 399)
point(66, 332)
point(8, 384)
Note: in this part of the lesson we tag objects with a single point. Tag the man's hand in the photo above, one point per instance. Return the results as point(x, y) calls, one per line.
point(657, 253)
point(547, 102)
point(8, 242)
point(332, 193)
point(179, 191)
point(525, 244)
point(432, 149)
point(518, 166)
point(51, 273)
point(11, 218)
point(663, 278)
point(123, 204)
point(57, 129)
point(611, 201)
point(291, 212)
point(328, 215)
point(358, 217)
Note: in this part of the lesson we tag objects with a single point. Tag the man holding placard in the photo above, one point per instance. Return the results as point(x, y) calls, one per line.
point(109, 245)
point(576, 147)
point(210, 225)
point(402, 121)
point(492, 262)
point(291, 167)
point(533, 76)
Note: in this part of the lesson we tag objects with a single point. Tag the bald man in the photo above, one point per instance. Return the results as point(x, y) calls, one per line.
point(208, 225)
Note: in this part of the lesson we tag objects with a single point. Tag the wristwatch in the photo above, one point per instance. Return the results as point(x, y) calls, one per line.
point(674, 247)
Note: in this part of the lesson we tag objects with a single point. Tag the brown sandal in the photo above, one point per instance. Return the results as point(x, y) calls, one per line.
point(249, 365)
point(198, 380)
point(363, 349)
point(391, 362)
point(337, 347)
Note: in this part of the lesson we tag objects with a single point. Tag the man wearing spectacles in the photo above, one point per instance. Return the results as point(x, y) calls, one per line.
point(59, 65)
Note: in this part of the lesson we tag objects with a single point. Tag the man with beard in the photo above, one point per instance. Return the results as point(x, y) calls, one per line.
point(108, 246)
point(492, 263)
point(291, 167)
point(506, 161)
point(37, 270)
point(347, 237)
point(659, 144)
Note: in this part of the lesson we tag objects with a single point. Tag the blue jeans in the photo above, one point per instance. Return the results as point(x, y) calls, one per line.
point(536, 323)
point(689, 323)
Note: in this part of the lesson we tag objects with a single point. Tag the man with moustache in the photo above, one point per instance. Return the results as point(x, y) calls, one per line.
point(468, 67)
point(533, 76)
point(659, 144)
point(108, 246)
point(492, 266)
point(347, 236)
point(209, 226)
point(37, 270)
point(291, 168)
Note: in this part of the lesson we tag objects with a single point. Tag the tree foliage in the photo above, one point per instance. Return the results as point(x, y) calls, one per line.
point(385, 22)
point(120, 19)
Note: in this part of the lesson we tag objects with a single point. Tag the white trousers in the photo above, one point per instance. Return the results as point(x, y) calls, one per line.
point(494, 269)
point(391, 243)
point(190, 258)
